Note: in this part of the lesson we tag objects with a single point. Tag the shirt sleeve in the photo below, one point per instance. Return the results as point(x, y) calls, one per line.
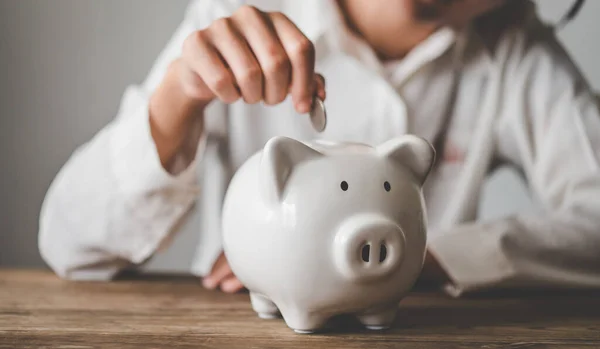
point(113, 204)
point(549, 128)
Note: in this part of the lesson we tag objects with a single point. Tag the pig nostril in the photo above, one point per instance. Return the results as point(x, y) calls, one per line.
point(382, 253)
point(344, 185)
point(365, 252)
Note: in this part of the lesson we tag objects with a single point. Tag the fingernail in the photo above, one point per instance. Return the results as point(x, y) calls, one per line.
point(319, 81)
point(322, 95)
point(229, 287)
point(208, 283)
point(226, 287)
point(304, 107)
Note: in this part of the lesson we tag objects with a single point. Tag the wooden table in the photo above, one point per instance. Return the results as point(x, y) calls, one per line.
point(37, 310)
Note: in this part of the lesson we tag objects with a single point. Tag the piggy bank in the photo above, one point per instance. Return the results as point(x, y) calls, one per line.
point(316, 229)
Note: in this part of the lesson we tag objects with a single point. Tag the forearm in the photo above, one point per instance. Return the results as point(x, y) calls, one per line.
point(553, 250)
point(121, 195)
point(174, 115)
point(113, 203)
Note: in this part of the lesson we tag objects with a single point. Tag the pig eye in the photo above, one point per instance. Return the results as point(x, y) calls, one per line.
point(344, 185)
point(387, 186)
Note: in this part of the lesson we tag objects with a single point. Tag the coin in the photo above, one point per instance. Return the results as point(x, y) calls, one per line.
point(318, 115)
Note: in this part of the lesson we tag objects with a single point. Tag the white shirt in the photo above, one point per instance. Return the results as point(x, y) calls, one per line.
point(518, 101)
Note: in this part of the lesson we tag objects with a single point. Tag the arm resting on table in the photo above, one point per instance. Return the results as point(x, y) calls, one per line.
point(549, 128)
point(113, 203)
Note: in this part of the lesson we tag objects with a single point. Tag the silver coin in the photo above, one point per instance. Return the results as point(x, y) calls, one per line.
point(318, 115)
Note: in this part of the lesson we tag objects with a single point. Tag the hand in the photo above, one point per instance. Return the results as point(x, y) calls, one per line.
point(254, 55)
point(222, 276)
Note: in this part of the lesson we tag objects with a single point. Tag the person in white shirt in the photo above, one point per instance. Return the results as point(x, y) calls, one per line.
point(485, 81)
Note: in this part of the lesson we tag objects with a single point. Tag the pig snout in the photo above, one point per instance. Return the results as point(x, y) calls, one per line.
point(368, 247)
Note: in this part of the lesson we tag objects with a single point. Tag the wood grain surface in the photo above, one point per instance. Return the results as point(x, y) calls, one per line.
point(38, 310)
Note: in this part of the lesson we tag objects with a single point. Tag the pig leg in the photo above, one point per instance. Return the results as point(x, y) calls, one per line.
point(263, 306)
point(379, 318)
point(302, 322)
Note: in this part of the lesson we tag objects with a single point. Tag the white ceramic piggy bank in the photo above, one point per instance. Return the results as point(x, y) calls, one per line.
point(315, 230)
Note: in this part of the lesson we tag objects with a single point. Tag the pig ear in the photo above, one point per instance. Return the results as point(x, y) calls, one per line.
point(412, 152)
point(280, 156)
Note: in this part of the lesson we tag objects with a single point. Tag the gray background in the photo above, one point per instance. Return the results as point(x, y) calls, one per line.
point(64, 65)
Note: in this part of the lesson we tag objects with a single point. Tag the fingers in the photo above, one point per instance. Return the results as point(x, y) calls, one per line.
point(202, 57)
point(231, 285)
point(193, 84)
point(269, 52)
point(239, 57)
point(301, 53)
point(320, 83)
point(222, 276)
point(220, 272)
point(255, 56)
